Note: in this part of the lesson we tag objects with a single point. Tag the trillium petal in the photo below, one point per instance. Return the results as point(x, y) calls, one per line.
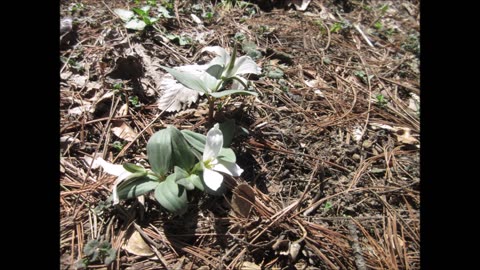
point(119, 179)
point(213, 144)
point(228, 168)
point(245, 65)
point(212, 179)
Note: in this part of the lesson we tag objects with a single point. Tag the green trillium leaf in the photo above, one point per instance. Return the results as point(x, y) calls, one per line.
point(159, 151)
point(185, 183)
point(189, 80)
point(134, 168)
point(228, 129)
point(228, 155)
point(182, 155)
point(136, 187)
point(197, 141)
point(171, 196)
point(196, 181)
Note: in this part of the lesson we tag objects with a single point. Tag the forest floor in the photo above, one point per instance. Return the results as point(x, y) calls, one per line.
point(330, 149)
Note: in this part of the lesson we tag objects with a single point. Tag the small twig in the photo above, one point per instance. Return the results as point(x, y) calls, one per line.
point(357, 251)
point(363, 35)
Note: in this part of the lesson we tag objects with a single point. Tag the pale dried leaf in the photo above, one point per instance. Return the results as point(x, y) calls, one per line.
point(78, 80)
point(301, 4)
point(196, 19)
point(137, 246)
point(175, 96)
point(414, 102)
point(357, 134)
point(65, 75)
point(376, 126)
point(122, 111)
point(93, 85)
point(404, 136)
point(123, 131)
point(248, 266)
point(69, 139)
point(108, 167)
point(80, 109)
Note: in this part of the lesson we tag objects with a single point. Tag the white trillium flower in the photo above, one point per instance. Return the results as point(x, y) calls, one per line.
point(212, 165)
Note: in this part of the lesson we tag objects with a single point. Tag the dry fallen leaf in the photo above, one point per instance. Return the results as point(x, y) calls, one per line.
point(113, 169)
point(243, 199)
point(404, 136)
point(80, 109)
point(248, 266)
point(123, 131)
point(137, 246)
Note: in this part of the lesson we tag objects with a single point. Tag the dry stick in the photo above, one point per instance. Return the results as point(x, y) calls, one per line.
point(357, 251)
point(177, 16)
point(152, 245)
point(320, 254)
point(363, 35)
point(369, 95)
point(413, 89)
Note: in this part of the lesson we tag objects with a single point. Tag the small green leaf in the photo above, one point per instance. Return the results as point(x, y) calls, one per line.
point(275, 73)
point(159, 151)
point(90, 247)
point(188, 181)
point(139, 11)
point(189, 80)
point(228, 129)
point(196, 181)
point(171, 196)
point(227, 154)
point(133, 168)
point(185, 183)
point(231, 92)
point(180, 173)
point(111, 256)
point(137, 187)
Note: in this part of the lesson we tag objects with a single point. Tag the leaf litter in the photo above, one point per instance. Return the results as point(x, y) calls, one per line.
point(364, 209)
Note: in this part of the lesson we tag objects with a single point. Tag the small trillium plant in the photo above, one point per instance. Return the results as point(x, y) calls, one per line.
point(172, 155)
point(214, 77)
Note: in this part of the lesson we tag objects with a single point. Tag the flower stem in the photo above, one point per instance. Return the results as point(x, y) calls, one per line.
point(211, 107)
